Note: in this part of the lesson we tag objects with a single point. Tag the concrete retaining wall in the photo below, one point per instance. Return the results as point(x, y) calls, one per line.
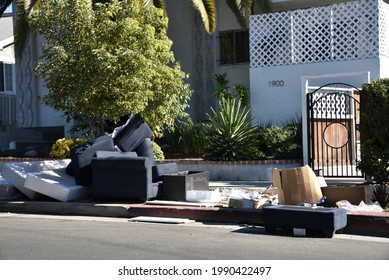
point(250, 170)
point(253, 170)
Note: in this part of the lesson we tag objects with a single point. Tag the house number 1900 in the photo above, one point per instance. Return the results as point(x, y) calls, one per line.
point(276, 83)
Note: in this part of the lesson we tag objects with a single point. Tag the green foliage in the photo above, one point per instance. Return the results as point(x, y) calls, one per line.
point(158, 153)
point(187, 139)
point(61, 148)
point(82, 126)
point(230, 134)
point(191, 138)
point(109, 60)
point(222, 89)
point(381, 195)
point(283, 142)
point(374, 130)
point(243, 93)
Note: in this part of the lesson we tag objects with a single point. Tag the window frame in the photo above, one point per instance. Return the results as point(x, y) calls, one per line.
point(6, 77)
point(229, 49)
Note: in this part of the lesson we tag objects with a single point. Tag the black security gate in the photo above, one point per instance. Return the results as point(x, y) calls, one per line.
point(333, 136)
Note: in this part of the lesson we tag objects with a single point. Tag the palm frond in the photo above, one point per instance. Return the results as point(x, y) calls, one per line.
point(241, 10)
point(22, 28)
point(207, 11)
point(265, 6)
point(4, 4)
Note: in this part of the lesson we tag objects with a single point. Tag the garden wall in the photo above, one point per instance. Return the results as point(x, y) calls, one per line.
point(245, 170)
point(251, 170)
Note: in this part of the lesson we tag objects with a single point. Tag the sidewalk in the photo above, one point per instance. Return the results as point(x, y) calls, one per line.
point(363, 223)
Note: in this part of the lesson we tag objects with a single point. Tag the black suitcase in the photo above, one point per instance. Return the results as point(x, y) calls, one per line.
point(324, 219)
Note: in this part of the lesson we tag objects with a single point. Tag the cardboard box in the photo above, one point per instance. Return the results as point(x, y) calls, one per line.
point(296, 185)
point(175, 186)
point(353, 194)
point(241, 203)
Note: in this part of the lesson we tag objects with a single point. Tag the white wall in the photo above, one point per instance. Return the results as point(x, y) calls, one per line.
point(180, 31)
point(384, 67)
point(280, 101)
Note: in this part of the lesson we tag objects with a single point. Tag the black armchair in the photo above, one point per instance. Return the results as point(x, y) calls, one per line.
point(122, 176)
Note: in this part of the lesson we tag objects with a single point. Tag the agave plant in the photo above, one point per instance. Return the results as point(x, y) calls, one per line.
point(230, 134)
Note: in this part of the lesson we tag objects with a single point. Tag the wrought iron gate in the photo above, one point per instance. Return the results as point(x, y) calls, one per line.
point(333, 136)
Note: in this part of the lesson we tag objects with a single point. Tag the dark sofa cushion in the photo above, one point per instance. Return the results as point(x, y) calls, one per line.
point(105, 154)
point(164, 169)
point(130, 135)
point(82, 155)
point(145, 149)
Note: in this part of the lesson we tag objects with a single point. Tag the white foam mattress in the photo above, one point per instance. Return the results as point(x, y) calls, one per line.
point(16, 173)
point(8, 191)
point(55, 184)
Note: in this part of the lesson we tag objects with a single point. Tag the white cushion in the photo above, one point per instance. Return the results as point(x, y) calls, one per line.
point(16, 173)
point(55, 184)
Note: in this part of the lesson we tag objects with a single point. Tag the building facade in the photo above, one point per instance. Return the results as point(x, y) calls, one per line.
point(7, 71)
point(301, 39)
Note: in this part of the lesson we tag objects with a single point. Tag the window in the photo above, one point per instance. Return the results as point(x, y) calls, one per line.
point(234, 47)
point(6, 84)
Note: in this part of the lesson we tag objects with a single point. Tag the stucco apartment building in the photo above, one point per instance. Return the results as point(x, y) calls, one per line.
point(300, 46)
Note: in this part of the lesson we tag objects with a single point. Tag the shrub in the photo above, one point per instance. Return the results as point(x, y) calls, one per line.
point(61, 148)
point(191, 140)
point(281, 141)
point(187, 139)
point(381, 195)
point(158, 153)
point(223, 91)
point(374, 130)
point(230, 134)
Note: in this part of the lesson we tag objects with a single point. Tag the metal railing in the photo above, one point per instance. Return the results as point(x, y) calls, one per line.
point(7, 109)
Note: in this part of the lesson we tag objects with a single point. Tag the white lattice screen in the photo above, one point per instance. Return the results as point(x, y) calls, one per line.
point(384, 28)
point(346, 31)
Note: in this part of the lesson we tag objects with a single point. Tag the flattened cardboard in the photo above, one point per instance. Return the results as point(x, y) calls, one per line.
point(297, 184)
point(277, 184)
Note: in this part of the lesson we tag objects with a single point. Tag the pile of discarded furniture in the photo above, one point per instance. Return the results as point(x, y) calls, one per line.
point(116, 166)
point(121, 166)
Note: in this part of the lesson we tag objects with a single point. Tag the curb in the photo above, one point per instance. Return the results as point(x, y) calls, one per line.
point(60, 208)
point(359, 223)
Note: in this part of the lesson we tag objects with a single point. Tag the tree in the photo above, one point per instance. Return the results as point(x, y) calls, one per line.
point(109, 60)
point(242, 9)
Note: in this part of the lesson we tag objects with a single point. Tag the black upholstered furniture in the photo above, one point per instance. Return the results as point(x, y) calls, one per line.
point(324, 219)
point(126, 175)
point(123, 177)
point(130, 135)
point(81, 158)
point(121, 165)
